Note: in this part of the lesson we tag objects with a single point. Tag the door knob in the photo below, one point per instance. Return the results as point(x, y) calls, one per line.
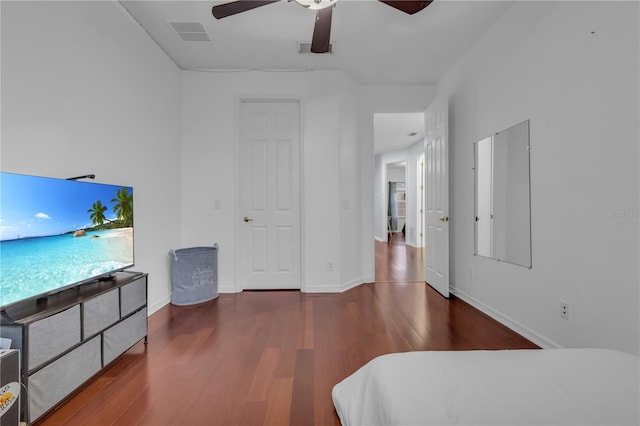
point(247, 219)
point(444, 219)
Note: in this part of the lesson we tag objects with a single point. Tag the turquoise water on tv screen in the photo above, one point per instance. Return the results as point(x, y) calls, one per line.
point(32, 266)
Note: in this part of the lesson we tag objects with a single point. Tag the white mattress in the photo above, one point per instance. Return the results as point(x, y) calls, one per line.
point(508, 387)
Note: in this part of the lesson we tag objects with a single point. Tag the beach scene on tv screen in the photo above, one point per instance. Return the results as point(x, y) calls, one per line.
point(55, 233)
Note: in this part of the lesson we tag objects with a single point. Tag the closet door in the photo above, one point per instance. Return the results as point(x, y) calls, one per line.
point(269, 220)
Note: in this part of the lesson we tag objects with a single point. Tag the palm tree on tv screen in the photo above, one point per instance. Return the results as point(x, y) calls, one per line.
point(124, 206)
point(97, 213)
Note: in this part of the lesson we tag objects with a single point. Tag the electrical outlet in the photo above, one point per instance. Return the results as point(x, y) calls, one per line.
point(470, 273)
point(564, 310)
point(330, 266)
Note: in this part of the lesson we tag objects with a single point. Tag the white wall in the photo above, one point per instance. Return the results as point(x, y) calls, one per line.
point(580, 90)
point(330, 169)
point(351, 188)
point(85, 90)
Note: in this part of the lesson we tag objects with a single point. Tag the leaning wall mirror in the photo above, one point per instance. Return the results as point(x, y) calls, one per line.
point(502, 196)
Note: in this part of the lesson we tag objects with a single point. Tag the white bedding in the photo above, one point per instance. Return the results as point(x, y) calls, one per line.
point(508, 387)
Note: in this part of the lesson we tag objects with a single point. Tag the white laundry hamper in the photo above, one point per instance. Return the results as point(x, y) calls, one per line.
point(194, 275)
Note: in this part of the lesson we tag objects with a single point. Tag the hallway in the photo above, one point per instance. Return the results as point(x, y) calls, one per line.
point(398, 262)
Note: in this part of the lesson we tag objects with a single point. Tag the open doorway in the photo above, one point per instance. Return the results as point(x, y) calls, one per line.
point(396, 200)
point(399, 252)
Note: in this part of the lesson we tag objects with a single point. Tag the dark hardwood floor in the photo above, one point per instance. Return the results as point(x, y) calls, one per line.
point(272, 357)
point(398, 262)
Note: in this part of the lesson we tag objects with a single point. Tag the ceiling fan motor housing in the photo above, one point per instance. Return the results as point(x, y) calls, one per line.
point(316, 4)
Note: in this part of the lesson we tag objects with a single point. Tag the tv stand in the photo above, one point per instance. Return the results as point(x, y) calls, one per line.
point(71, 336)
point(5, 318)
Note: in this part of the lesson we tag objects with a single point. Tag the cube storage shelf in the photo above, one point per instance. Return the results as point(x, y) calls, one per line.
point(73, 335)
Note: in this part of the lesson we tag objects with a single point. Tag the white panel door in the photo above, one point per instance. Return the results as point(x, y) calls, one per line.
point(269, 220)
point(420, 196)
point(437, 197)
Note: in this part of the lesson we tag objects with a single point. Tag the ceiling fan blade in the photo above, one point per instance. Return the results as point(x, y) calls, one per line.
point(408, 6)
point(228, 9)
point(320, 43)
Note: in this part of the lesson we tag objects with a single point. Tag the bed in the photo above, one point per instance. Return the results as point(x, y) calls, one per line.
point(506, 387)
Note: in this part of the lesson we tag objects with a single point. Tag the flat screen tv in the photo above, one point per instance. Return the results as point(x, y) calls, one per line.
point(58, 233)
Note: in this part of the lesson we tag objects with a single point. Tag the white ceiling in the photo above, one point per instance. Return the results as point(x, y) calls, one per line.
point(394, 131)
point(373, 43)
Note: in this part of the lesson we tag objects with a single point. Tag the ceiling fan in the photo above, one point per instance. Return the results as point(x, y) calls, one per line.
point(320, 42)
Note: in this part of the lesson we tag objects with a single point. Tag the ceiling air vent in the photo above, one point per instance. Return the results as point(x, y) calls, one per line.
point(190, 31)
point(306, 48)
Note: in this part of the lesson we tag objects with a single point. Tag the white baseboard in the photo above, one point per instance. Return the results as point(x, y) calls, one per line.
point(351, 284)
point(505, 320)
point(322, 289)
point(228, 289)
point(305, 289)
point(333, 288)
point(156, 306)
point(413, 244)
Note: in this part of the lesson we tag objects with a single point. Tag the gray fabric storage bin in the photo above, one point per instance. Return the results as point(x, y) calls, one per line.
point(194, 275)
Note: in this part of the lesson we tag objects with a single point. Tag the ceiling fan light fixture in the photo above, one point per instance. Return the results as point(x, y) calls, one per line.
point(316, 4)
